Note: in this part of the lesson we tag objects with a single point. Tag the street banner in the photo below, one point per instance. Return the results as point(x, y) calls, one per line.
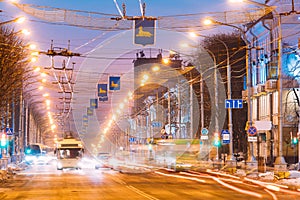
point(85, 120)
point(114, 82)
point(102, 90)
point(144, 32)
point(94, 103)
point(84, 130)
point(89, 111)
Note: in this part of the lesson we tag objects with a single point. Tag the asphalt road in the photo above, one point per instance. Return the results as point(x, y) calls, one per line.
point(45, 182)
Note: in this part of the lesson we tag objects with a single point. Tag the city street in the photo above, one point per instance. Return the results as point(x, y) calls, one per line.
point(150, 100)
point(45, 182)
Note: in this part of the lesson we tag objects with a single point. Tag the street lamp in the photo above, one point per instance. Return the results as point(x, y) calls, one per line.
point(280, 161)
point(17, 20)
point(216, 97)
point(230, 157)
point(250, 2)
point(248, 71)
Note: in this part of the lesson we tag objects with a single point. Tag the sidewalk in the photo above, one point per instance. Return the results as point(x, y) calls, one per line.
point(289, 179)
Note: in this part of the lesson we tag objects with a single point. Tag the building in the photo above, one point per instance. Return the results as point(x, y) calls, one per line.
point(161, 97)
point(274, 64)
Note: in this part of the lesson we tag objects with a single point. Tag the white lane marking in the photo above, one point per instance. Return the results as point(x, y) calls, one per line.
point(141, 193)
point(261, 183)
point(272, 194)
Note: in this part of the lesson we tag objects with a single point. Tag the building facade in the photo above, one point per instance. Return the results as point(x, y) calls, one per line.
point(274, 64)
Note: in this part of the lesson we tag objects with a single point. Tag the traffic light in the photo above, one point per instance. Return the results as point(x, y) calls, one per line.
point(217, 140)
point(294, 141)
point(3, 140)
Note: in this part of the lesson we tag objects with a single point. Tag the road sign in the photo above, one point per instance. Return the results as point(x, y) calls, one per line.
point(225, 136)
point(204, 131)
point(204, 137)
point(156, 124)
point(233, 103)
point(132, 139)
point(9, 131)
point(225, 131)
point(252, 131)
point(252, 139)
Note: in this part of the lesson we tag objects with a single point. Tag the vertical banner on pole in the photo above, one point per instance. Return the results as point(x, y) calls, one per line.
point(114, 83)
point(144, 32)
point(89, 111)
point(85, 120)
point(102, 92)
point(94, 103)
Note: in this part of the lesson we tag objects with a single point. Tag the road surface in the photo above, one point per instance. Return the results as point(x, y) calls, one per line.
point(45, 182)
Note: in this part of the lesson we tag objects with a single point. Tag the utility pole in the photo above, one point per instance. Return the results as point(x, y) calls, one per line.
point(280, 163)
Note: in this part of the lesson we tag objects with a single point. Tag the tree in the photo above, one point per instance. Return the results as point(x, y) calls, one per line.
point(13, 70)
point(237, 52)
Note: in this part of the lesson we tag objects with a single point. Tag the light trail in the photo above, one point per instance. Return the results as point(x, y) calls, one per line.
point(182, 177)
point(230, 186)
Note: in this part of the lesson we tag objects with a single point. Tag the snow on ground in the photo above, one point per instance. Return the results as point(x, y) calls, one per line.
point(292, 180)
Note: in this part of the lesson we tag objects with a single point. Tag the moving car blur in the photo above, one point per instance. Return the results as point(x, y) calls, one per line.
point(103, 161)
point(37, 154)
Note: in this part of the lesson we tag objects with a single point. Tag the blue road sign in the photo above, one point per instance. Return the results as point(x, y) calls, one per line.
point(225, 136)
point(9, 131)
point(156, 124)
point(252, 131)
point(204, 131)
point(233, 103)
point(225, 131)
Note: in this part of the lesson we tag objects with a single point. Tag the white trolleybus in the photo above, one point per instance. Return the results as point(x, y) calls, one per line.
point(69, 152)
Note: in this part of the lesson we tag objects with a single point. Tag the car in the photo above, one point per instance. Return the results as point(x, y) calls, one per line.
point(102, 160)
point(34, 153)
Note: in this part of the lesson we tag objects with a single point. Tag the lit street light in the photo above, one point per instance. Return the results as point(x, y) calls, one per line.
point(251, 157)
point(280, 161)
point(230, 126)
point(17, 20)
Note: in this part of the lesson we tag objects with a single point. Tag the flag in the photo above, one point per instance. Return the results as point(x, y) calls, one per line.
point(144, 31)
point(85, 120)
point(114, 83)
point(102, 90)
point(93, 103)
point(89, 111)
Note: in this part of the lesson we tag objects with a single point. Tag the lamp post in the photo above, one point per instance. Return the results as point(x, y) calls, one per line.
point(216, 99)
point(280, 161)
point(251, 157)
point(18, 20)
point(230, 125)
